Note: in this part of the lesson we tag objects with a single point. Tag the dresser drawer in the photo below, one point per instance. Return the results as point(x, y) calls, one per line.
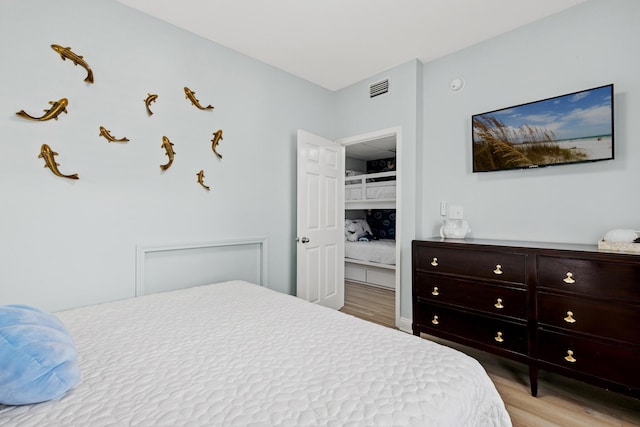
point(503, 266)
point(484, 330)
point(608, 320)
point(485, 297)
point(616, 280)
point(617, 363)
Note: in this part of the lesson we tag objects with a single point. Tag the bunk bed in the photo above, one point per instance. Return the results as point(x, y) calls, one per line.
point(362, 265)
point(369, 259)
point(373, 190)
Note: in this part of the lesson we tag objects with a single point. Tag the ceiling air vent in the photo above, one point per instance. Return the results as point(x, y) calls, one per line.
point(379, 88)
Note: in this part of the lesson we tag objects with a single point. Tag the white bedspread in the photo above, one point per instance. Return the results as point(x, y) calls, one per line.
point(381, 251)
point(374, 190)
point(236, 354)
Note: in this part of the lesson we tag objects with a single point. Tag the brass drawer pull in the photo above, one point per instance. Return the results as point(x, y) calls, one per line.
point(434, 262)
point(498, 337)
point(435, 292)
point(569, 357)
point(435, 320)
point(498, 269)
point(569, 279)
point(569, 318)
point(498, 303)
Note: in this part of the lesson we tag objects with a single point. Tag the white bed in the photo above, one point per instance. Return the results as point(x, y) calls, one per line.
point(371, 262)
point(236, 353)
point(368, 187)
point(381, 251)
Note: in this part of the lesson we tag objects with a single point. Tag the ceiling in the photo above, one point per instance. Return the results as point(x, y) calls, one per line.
point(383, 148)
point(334, 43)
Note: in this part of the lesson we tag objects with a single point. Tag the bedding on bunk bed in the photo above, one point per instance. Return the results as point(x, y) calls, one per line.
point(370, 186)
point(374, 190)
point(381, 251)
point(236, 353)
point(362, 242)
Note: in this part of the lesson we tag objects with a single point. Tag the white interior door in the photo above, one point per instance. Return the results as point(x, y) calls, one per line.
point(320, 225)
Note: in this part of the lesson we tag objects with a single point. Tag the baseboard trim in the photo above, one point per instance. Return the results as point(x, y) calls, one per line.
point(404, 325)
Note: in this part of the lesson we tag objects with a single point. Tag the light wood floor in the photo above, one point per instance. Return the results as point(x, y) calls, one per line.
point(560, 401)
point(370, 303)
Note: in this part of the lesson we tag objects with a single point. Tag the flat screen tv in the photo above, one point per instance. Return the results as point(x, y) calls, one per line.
point(572, 128)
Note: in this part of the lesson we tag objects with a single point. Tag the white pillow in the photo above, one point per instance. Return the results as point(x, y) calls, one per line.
point(356, 228)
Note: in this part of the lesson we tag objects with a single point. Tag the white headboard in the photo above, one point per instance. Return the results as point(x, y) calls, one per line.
point(167, 268)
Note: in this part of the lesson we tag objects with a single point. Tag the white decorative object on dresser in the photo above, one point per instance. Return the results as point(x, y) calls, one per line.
point(621, 240)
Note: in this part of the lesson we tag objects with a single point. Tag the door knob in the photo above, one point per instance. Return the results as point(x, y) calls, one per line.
point(305, 240)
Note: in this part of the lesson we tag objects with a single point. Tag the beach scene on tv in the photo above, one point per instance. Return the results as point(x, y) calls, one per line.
point(566, 129)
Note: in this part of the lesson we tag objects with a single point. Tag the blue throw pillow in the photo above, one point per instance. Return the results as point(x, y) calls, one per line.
point(37, 356)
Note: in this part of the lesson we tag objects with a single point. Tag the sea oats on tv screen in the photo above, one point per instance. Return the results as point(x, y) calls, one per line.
point(572, 128)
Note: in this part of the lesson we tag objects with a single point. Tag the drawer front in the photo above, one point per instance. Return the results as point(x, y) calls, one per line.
point(507, 267)
point(488, 298)
point(386, 278)
point(616, 363)
point(608, 320)
point(357, 273)
point(484, 330)
point(598, 278)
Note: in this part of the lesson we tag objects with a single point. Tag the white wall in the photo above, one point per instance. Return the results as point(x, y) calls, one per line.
point(66, 243)
point(586, 46)
point(357, 114)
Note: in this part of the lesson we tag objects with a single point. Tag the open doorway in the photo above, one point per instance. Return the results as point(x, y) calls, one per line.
point(372, 245)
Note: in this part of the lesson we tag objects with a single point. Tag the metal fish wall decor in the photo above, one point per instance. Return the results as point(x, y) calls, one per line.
point(217, 137)
point(66, 53)
point(57, 107)
point(168, 148)
point(48, 155)
point(151, 97)
point(200, 176)
point(60, 106)
point(107, 134)
point(191, 96)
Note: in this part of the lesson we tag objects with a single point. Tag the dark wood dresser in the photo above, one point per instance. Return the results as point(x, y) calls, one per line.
point(570, 309)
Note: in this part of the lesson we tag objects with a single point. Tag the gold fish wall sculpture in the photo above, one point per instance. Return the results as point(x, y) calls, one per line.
point(107, 134)
point(48, 155)
point(200, 176)
point(168, 148)
point(151, 97)
point(66, 53)
point(217, 137)
point(191, 96)
point(57, 107)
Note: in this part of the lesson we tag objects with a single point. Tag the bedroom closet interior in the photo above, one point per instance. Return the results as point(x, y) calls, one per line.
point(370, 213)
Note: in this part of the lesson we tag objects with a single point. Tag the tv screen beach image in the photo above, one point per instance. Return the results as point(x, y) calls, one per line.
point(572, 128)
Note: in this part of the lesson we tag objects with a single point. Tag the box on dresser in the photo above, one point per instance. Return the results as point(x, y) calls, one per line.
point(570, 309)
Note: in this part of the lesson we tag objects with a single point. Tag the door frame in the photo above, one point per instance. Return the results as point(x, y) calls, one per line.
point(397, 131)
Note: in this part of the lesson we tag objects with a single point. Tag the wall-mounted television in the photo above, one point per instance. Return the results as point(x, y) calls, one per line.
point(572, 128)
